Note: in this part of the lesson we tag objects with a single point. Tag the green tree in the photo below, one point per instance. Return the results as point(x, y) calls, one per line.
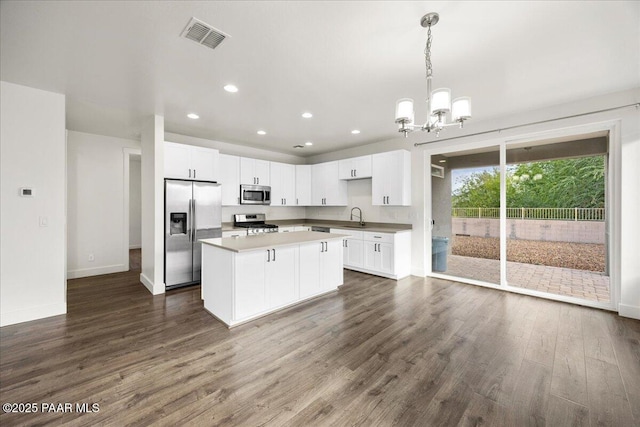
point(564, 183)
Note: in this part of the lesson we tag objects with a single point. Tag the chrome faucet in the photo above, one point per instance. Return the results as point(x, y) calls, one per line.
point(359, 216)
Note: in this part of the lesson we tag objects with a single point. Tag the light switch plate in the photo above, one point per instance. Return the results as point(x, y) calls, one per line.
point(44, 221)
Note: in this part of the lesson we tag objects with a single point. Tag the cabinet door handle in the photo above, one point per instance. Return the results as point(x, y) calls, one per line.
point(321, 247)
point(189, 173)
point(238, 200)
point(194, 173)
point(274, 254)
point(285, 201)
point(297, 203)
point(268, 255)
point(258, 180)
point(346, 243)
point(355, 173)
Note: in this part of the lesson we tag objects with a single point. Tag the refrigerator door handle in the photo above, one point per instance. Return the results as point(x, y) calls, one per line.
point(193, 219)
point(189, 220)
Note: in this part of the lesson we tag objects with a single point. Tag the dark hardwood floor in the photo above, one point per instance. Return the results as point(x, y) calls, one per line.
point(417, 352)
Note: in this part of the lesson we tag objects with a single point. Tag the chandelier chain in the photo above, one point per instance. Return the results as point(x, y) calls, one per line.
point(427, 53)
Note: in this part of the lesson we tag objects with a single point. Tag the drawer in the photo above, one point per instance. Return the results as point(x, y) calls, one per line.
point(378, 237)
point(232, 233)
point(355, 234)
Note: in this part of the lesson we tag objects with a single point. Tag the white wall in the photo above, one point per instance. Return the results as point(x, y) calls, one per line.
point(135, 204)
point(152, 195)
point(32, 154)
point(95, 212)
point(234, 149)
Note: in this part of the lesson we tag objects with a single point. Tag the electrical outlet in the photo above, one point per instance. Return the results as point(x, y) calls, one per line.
point(91, 258)
point(44, 221)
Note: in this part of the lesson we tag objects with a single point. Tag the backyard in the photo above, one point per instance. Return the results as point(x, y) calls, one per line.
point(578, 256)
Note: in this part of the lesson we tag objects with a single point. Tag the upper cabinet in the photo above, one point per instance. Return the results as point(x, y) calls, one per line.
point(230, 179)
point(391, 178)
point(355, 168)
point(190, 162)
point(326, 187)
point(254, 171)
point(303, 185)
point(283, 184)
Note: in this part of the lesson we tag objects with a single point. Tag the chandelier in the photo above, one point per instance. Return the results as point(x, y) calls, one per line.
point(438, 101)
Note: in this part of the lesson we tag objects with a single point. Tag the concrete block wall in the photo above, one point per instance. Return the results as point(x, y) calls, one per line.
point(528, 229)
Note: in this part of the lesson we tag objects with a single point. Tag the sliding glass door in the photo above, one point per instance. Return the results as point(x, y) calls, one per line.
point(529, 216)
point(465, 191)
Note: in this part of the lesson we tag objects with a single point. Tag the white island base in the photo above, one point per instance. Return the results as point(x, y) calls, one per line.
point(248, 277)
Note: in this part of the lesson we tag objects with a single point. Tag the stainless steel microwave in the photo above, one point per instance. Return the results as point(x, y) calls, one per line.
point(255, 194)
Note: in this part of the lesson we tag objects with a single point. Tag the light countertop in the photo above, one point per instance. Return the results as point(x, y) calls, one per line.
point(269, 240)
point(375, 227)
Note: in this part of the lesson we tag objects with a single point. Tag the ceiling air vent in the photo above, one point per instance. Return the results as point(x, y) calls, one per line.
point(203, 34)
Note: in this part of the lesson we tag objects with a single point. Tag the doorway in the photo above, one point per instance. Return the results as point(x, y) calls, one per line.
point(132, 239)
point(531, 217)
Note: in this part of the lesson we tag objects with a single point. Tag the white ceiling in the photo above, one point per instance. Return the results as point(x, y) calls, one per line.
point(346, 62)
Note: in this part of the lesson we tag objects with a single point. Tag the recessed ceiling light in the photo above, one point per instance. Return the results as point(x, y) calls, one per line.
point(308, 143)
point(193, 116)
point(355, 131)
point(307, 115)
point(261, 132)
point(231, 88)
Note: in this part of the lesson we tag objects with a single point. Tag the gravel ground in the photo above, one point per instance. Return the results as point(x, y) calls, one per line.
point(579, 256)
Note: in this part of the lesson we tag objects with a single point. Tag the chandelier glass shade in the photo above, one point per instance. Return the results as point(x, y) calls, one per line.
point(438, 101)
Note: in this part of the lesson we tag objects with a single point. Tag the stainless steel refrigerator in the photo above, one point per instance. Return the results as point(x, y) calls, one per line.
point(192, 211)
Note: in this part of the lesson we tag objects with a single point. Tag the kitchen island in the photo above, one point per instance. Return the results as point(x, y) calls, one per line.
point(244, 278)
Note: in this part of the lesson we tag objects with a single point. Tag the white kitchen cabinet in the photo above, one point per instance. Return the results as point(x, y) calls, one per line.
point(355, 168)
point(353, 245)
point(320, 267)
point(183, 161)
point(382, 254)
point(353, 252)
point(280, 276)
point(238, 286)
point(379, 257)
point(391, 178)
point(234, 233)
point(254, 171)
point(326, 187)
point(283, 184)
point(302, 228)
point(265, 279)
point(286, 229)
point(303, 185)
point(250, 283)
point(230, 179)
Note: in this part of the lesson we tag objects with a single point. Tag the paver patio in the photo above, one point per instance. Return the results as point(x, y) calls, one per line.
point(556, 280)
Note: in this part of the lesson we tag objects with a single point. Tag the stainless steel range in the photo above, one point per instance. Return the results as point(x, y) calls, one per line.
point(254, 223)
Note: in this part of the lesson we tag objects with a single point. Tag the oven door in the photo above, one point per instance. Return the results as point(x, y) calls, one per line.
point(255, 195)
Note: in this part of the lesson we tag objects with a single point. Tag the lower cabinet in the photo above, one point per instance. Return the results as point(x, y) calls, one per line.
point(240, 286)
point(280, 276)
point(320, 267)
point(382, 254)
point(250, 284)
point(265, 279)
point(353, 252)
point(379, 257)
